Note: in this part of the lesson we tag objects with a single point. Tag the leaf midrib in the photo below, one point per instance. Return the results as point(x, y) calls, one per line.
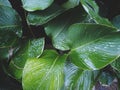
point(48, 71)
point(89, 43)
point(9, 26)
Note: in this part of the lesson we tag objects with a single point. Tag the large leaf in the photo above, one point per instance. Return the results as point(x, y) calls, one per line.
point(71, 4)
point(33, 5)
point(57, 28)
point(93, 46)
point(5, 3)
point(10, 26)
point(77, 79)
point(31, 49)
point(45, 73)
point(93, 10)
point(42, 17)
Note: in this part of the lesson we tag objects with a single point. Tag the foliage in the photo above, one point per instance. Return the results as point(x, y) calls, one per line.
point(59, 44)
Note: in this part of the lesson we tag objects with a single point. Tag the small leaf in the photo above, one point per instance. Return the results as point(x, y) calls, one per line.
point(92, 47)
point(5, 3)
point(93, 10)
point(71, 4)
point(57, 28)
point(36, 47)
point(47, 72)
point(42, 17)
point(10, 26)
point(33, 5)
point(30, 49)
point(116, 64)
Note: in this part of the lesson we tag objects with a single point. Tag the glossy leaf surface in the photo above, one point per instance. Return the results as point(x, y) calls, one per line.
point(47, 72)
point(71, 4)
point(57, 28)
point(92, 9)
point(5, 3)
point(77, 79)
point(116, 65)
point(93, 50)
point(10, 26)
point(42, 17)
point(33, 5)
point(31, 49)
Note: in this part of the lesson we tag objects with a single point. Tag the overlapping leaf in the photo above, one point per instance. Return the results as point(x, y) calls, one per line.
point(31, 49)
point(77, 79)
point(33, 5)
point(47, 72)
point(71, 4)
point(57, 28)
point(93, 10)
point(10, 26)
point(42, 17)
point(92, 47)
point(116, 65)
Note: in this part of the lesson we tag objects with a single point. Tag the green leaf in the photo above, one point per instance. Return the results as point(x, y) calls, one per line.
point(116, 21)
point(77, 79)
point(93, 10)
point(47, 72)
point(57, 28)
point(106, 78)
point(33, 5)
point(10, 26)
point(4, 53)
point(36, 47)
point(71, 4)
point(42, 17)
point(30, 49)
point(116, 64)
point(5, 3)
point(93, 46)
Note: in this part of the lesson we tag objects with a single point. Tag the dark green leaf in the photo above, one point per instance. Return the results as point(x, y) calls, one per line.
point(93, 10)
point(31, 49)
point(116, 65)
point(47, 72)
point(33, 5)
point(71, 4)
point(116, 21)
point(106, 78)
point(5, 3)
point(42, 17)
point(4, 53)
point(92, 47)
point(10, 26)
point(57, 28)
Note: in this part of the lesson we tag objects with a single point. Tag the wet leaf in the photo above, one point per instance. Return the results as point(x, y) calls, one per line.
point(33, 5)
point(93, 50)
point(47, 72)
